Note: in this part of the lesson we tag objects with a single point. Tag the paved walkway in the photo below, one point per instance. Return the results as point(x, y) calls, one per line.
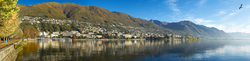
point(9, 43)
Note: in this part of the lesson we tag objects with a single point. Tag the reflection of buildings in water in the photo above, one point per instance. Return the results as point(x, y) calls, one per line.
point(55, 44)
point(44, 44)
point(116, 46)
point(62, 39)
point(77, 45)
point(128, 43)
point(68, 50)
point(177, 42)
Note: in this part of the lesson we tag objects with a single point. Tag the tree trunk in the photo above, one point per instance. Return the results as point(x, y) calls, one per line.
point(4, 39)
point(7, 39)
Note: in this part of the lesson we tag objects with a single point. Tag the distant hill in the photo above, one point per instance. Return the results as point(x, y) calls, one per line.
point(92, 14)
point(240, 35)
point(158, 22)
point(191, 28)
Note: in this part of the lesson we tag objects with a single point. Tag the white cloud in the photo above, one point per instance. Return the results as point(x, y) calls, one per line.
point(221, 13)
point(189, 16)
point(231, 14)
point(176, 10)
point(173, 0)
point(145, 18)
point(248, 6)
point(155, 17)
point(186, 17)
point(201, 20)
point(220, 27)
point(172, 5)
point(201, 2)
point(244, 27)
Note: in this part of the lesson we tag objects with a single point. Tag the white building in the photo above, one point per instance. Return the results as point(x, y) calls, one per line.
point(45, 34)
point(55, 34)
point(98, 36)
point(127, 35)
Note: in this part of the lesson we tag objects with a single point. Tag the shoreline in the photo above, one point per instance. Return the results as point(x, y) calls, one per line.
point(110, 39)
point(28, 39)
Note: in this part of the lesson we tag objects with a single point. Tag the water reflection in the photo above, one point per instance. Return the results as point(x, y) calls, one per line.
point(31, 47)
point(130, 50)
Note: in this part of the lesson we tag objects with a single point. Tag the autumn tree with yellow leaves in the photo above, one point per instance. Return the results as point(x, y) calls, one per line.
point(30, 32)
point(8, 18)
point(192, 37)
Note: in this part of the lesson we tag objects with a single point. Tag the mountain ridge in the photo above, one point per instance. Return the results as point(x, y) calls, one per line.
point(195, 30)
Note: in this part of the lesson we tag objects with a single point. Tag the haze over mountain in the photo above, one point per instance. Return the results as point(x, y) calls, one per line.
point(240, 35)
point(193, 29)
point(94, 14)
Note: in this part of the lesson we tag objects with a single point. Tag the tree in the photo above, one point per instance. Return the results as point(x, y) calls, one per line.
point(30, 32)
point(74, 27)
point(166, 36)
point(20, 33)
point(117, 37)
point(8, 8)
point(103, 37)
point(111, 37)
point(74, 36)
point(64, 28)
point(17, 34)
point(56, 28)
point(198, 38)
point(8, 17)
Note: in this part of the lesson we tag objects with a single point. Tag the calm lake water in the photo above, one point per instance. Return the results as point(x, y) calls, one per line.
point(157, 50)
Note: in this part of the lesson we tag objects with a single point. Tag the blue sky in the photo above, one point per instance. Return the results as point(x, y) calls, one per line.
point(222, 14)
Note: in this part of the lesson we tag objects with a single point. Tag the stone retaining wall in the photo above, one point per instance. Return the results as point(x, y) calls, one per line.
point(6, 51)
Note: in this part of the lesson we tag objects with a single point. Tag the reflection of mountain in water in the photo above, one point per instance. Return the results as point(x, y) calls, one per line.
point(118, 50)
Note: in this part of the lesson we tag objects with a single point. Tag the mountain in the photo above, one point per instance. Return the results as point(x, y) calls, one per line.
point(92, 14)
point(73, 11)
point(193, 29)
point(159, 22)
point(164, 23)
point(240, 35)
point(156, 22)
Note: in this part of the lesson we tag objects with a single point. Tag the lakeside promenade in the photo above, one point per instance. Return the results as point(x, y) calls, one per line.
point(2, 45)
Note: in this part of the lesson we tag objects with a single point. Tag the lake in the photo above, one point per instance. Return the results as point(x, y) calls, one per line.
point(135, 50)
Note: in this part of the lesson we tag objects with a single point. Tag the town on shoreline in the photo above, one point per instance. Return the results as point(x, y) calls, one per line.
point(92, 32)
